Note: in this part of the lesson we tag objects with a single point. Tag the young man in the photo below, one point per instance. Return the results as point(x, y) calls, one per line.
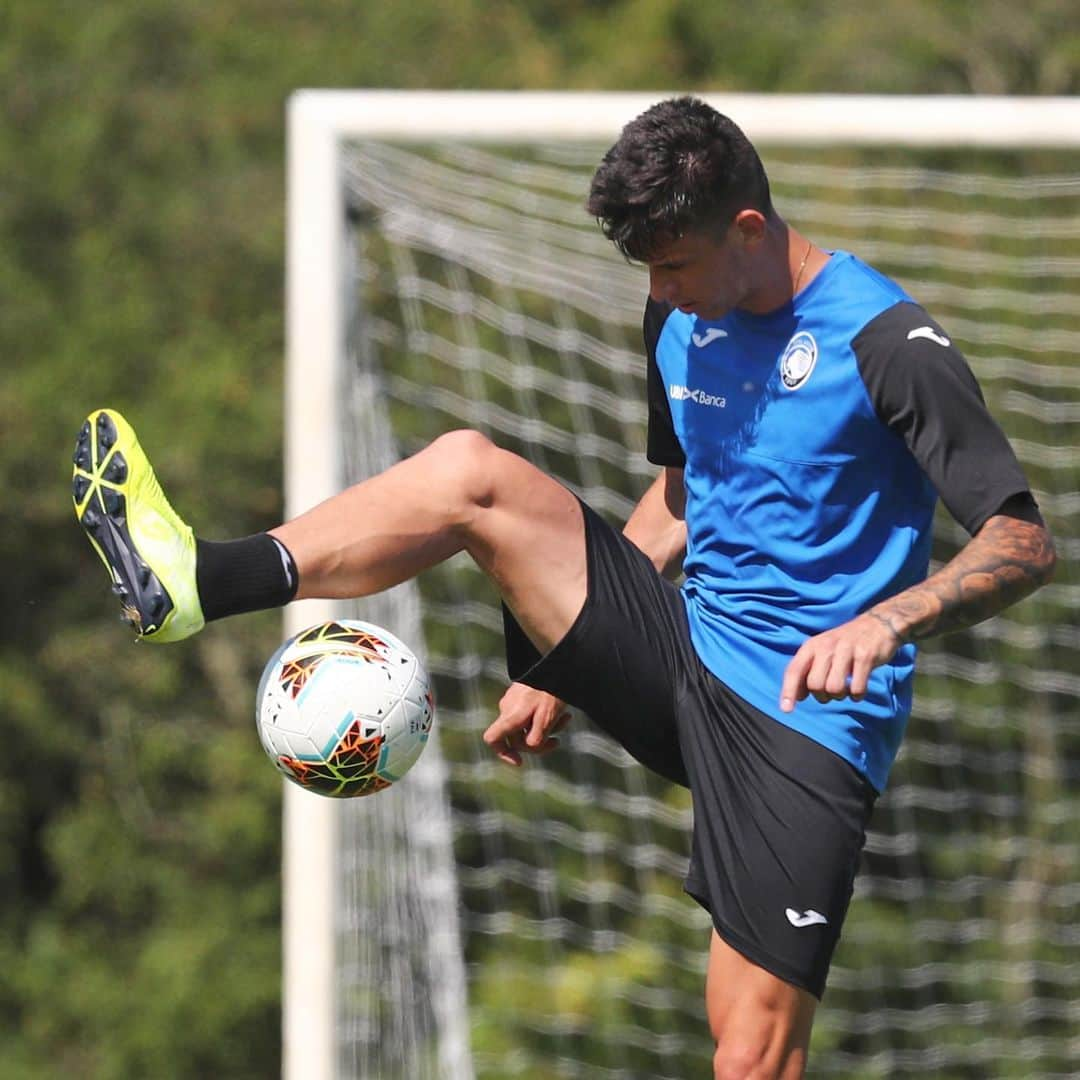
point(805, 414)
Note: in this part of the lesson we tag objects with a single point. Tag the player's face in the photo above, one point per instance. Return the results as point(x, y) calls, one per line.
point(701, 273)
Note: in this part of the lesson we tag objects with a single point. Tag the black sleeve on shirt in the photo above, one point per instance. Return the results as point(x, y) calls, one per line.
point(924, 391)
point(1022, 506)
point(663, 445)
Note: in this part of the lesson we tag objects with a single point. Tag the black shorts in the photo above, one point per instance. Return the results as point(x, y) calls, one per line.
point(779, 820)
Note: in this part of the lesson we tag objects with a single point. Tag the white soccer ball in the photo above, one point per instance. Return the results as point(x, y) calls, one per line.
point(344, 708)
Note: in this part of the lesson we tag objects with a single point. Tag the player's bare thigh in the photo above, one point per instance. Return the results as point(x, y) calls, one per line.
point(760, 1024)
point(524, 530)
point(528, 536)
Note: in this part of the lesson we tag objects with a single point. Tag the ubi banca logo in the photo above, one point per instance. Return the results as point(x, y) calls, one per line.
point(698, 397)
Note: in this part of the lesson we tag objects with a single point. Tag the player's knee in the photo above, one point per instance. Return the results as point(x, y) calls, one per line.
point(738, 1059)
point(742, 1057)
point(464, 468)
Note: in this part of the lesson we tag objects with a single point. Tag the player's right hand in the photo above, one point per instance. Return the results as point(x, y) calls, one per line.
point(528, 722)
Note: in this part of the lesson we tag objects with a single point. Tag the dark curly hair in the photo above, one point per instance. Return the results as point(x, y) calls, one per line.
point(679, 166)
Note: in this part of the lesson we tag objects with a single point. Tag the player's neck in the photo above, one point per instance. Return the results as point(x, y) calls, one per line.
point(812, 260)
point(790, 262)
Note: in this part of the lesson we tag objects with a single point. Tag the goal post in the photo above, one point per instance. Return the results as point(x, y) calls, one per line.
point(327, 383)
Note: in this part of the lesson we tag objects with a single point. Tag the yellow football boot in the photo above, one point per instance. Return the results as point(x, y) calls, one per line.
point(148, 551)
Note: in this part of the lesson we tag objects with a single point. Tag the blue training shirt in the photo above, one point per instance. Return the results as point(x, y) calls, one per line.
point(815, 440)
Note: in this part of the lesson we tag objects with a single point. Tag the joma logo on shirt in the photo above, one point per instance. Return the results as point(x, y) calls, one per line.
point(698, 397)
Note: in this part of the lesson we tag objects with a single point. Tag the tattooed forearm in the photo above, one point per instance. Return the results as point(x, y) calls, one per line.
point(1005, 561)
point(886, 621)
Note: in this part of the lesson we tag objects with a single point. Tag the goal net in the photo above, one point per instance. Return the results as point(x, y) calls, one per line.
point(480, 921)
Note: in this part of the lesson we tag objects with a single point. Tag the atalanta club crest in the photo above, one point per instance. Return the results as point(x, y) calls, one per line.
point(798, 360)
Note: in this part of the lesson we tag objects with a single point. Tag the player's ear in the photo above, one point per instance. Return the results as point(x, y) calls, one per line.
point(750, 226)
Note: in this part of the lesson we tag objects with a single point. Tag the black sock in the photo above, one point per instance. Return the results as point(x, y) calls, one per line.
point(234, 576)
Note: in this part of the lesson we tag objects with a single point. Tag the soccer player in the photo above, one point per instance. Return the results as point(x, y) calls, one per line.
point(805, 414)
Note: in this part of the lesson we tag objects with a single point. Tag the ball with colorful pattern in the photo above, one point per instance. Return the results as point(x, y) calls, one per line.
point(344, 708)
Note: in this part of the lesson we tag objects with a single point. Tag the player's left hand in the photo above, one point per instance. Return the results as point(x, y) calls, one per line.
point(837, 664)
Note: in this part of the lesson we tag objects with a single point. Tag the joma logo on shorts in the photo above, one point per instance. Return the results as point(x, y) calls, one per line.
point(810, 917)
point(698, 397)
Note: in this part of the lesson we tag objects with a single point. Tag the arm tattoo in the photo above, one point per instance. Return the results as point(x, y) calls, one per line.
point(1005, 561)
point(885, 621)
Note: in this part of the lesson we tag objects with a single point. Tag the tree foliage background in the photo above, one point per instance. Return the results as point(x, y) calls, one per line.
point(141, 266)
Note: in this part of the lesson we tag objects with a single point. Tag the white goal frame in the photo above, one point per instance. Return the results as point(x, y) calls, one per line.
point(318, 123)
